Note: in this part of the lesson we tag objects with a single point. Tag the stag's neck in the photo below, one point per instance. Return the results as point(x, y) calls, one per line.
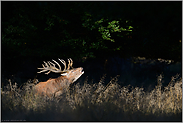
point(63, 81)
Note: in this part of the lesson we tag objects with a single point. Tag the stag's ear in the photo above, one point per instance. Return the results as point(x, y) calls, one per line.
point(64, 74)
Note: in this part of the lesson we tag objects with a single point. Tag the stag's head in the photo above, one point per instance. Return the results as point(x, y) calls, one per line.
point(68, 72)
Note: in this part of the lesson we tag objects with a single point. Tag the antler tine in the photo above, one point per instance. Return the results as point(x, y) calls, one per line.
point(43, 67)
point(48, 72)
point(57, 64)
point(68, 64)
point(45, 63)
point(41, 71)
point(71, 62)
point(63, 62)
point(50, 66)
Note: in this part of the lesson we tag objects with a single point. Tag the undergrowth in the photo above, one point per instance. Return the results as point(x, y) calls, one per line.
point(94, 102)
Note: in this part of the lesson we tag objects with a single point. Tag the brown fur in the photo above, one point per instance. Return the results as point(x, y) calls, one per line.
point(53, 87)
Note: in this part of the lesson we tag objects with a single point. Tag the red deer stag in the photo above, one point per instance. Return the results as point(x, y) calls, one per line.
point(53, 87)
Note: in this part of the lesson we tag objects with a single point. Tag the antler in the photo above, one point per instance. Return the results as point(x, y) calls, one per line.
point(51, 66)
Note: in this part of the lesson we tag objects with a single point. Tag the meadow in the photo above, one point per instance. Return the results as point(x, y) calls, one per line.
point(94, 102)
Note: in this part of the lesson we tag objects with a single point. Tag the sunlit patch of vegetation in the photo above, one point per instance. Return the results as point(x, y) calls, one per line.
point(95, 102)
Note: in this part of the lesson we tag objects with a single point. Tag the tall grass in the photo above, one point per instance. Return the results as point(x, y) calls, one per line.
point(95, 102)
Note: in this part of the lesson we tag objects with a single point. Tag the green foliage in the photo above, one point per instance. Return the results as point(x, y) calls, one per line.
point(111, 28)
point(85, 28)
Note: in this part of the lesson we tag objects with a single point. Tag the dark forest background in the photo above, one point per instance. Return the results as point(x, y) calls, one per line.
point(32, 32)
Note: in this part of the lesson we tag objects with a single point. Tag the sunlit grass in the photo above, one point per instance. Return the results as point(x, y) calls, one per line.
point(95, 102)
